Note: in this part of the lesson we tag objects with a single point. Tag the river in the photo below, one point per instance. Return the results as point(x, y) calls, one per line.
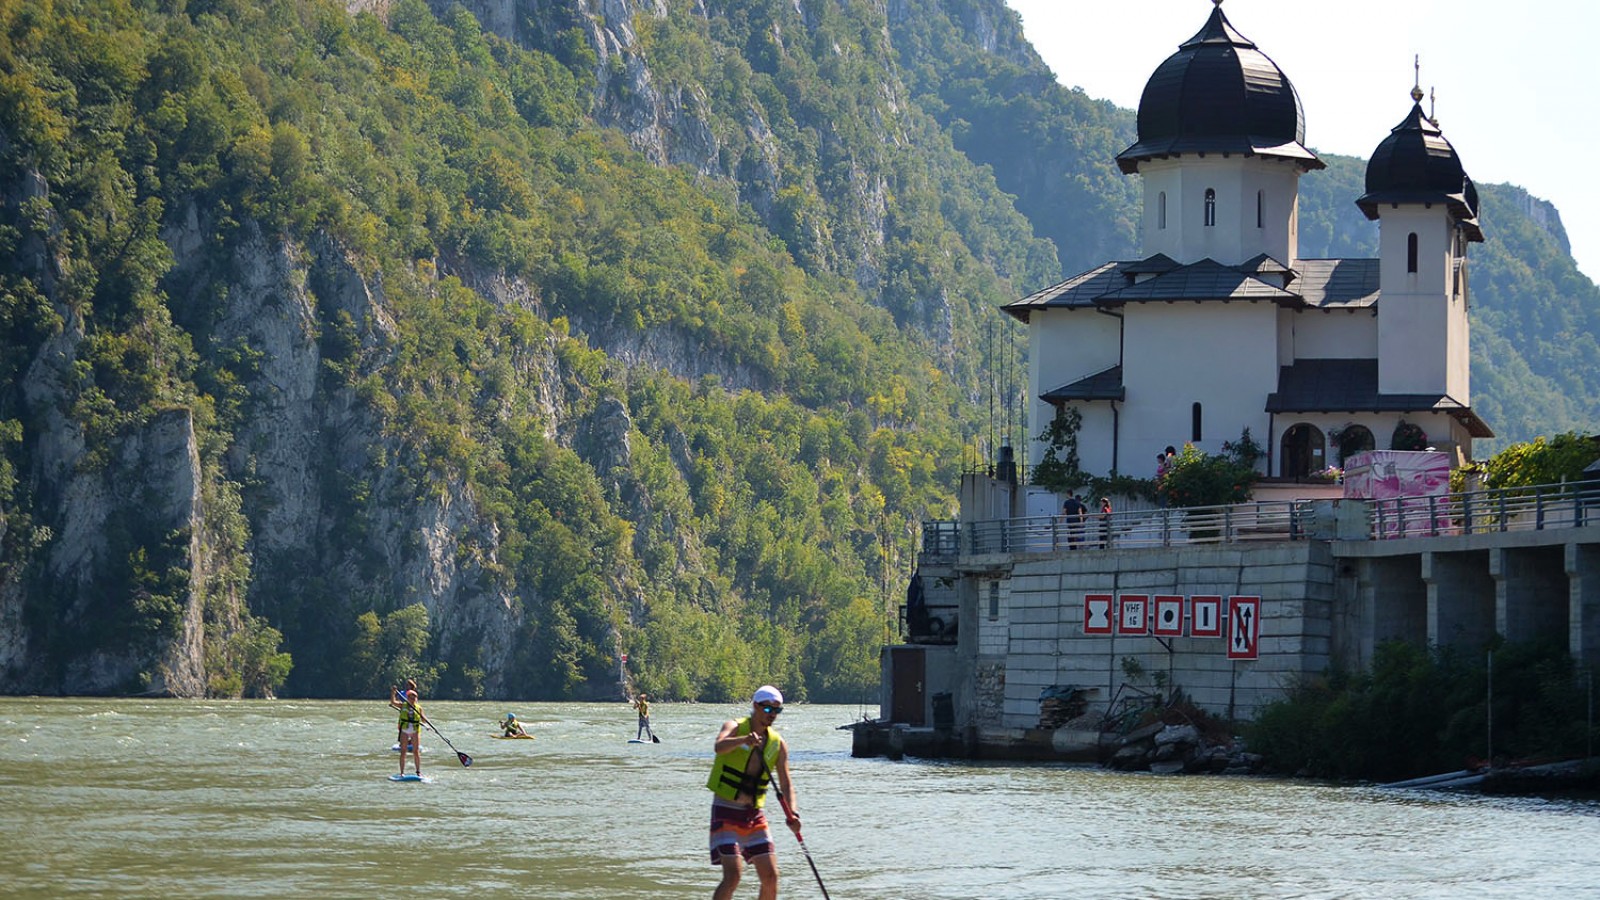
point(169, 798)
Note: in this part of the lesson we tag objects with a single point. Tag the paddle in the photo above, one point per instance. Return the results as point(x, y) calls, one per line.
point(465, 759)
point(783, 801)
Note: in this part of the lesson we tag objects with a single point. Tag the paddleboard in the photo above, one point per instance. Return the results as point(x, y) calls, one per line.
point(410, 776)
point(637, 741)
point(396, 749)
point(513, 737)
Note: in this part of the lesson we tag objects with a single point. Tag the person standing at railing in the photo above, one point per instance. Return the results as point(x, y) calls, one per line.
point(1105, 522)
point(1073, 511)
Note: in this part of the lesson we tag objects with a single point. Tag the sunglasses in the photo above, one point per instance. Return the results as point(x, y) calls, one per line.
point(772, 710)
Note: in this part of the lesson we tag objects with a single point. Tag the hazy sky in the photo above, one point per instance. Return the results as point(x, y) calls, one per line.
point(1515, 83)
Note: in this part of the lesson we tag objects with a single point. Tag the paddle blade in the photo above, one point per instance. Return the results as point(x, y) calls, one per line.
point(465, 759)
point(654, 739)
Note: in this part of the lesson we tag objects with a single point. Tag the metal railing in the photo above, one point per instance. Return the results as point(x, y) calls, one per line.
point(1265, 520)
point(1538, 508)
point(1535, 508)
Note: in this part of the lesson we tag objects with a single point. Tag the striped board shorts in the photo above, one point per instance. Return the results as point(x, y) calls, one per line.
point(738, 831)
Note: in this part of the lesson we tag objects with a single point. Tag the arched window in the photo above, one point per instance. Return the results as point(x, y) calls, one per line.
point(1194, 424)
point(1304, 451)
point(1411, 252)
point(1161, 210)
point(1355, 439)
point(1211, 207)
point(1261, 206)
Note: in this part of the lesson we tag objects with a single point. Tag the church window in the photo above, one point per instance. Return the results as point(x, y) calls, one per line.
point(1211, 207)
point(1411, 252)
point(1261, 203)
point(1194, 423)
point(1161, 210)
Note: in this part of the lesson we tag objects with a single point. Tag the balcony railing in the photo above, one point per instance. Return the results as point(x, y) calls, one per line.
point(1536, 508)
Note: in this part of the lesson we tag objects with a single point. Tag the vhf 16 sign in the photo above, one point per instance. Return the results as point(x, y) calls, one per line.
point(1238, 620)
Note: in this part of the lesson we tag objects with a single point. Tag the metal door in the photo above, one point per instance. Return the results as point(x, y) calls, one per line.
point(909, 668)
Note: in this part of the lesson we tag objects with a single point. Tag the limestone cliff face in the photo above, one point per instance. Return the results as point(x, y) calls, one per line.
point(308, 437)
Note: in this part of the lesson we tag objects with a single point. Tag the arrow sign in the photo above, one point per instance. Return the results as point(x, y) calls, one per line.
point(1244, 627)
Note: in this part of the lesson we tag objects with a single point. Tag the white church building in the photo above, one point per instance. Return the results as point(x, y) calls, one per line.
point(1222, 326)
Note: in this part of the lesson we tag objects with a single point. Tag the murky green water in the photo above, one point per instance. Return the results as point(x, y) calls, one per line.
point(120, 798)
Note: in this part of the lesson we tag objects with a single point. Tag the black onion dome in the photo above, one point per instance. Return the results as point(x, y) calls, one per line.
point(1415, 164)
point(1219, 94)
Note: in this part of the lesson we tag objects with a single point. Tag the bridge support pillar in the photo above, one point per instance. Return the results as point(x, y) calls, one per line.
point(1462, 609)
point(1532, 600)
point(1583, 586)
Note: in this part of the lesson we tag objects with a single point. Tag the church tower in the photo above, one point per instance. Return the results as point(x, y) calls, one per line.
point(1427, 212)
point(1221, 150)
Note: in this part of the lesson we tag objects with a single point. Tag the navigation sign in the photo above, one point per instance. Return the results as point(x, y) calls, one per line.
point(1205, 616)
point(1244, 627)
point(1169, 615)
point(1134, 614)
point(1096, 613)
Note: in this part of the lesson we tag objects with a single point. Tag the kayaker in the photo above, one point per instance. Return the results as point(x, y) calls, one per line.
point(512, 727)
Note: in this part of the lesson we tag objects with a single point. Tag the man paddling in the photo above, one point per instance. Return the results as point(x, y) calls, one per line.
point(643, 706)
point(749, 754)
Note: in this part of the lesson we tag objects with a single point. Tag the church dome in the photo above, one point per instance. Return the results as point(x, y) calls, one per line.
point(1415, 164)
point(1219, 94)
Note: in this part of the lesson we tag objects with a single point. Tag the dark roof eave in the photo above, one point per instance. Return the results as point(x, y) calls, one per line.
point(1470, 420)
point(1464, 213)
point(1163, 148)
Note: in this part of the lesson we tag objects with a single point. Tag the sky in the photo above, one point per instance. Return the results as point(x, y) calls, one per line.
point(1514, 83)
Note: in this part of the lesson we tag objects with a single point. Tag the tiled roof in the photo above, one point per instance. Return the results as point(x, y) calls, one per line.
point(1314, 283)
point(1204, 280)
point(1106, 385)
point(1338, 283)
point(1079, 290)
point(1351, 385)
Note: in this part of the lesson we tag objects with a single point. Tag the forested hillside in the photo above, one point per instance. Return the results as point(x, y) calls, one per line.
point(487, 343)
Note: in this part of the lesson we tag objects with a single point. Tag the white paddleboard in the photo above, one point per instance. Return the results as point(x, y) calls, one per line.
point(410, 776)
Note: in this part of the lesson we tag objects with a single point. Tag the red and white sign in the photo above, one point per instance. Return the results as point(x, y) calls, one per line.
point(1244, 627)
point(1096, 613)
point(1133, 615)
point(1168, 615)
point(1205, 616)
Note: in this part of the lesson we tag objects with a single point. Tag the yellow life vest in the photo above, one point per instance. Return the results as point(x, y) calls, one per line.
point(728, 776)
point(411, 714)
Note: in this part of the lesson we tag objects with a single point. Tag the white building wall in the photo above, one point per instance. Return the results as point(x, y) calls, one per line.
point(1235, 237)
point(1415, 331)
point(1327, 334)
point(1064, 346)
point(1222, 355)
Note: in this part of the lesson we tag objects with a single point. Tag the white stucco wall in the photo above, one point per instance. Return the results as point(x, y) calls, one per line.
point(1223, 356)
point(1327, 334)
point(1064, 346)
point(1235, 237)
point(1422, 329)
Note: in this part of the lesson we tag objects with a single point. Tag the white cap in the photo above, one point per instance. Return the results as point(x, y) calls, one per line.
point(767, 694)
